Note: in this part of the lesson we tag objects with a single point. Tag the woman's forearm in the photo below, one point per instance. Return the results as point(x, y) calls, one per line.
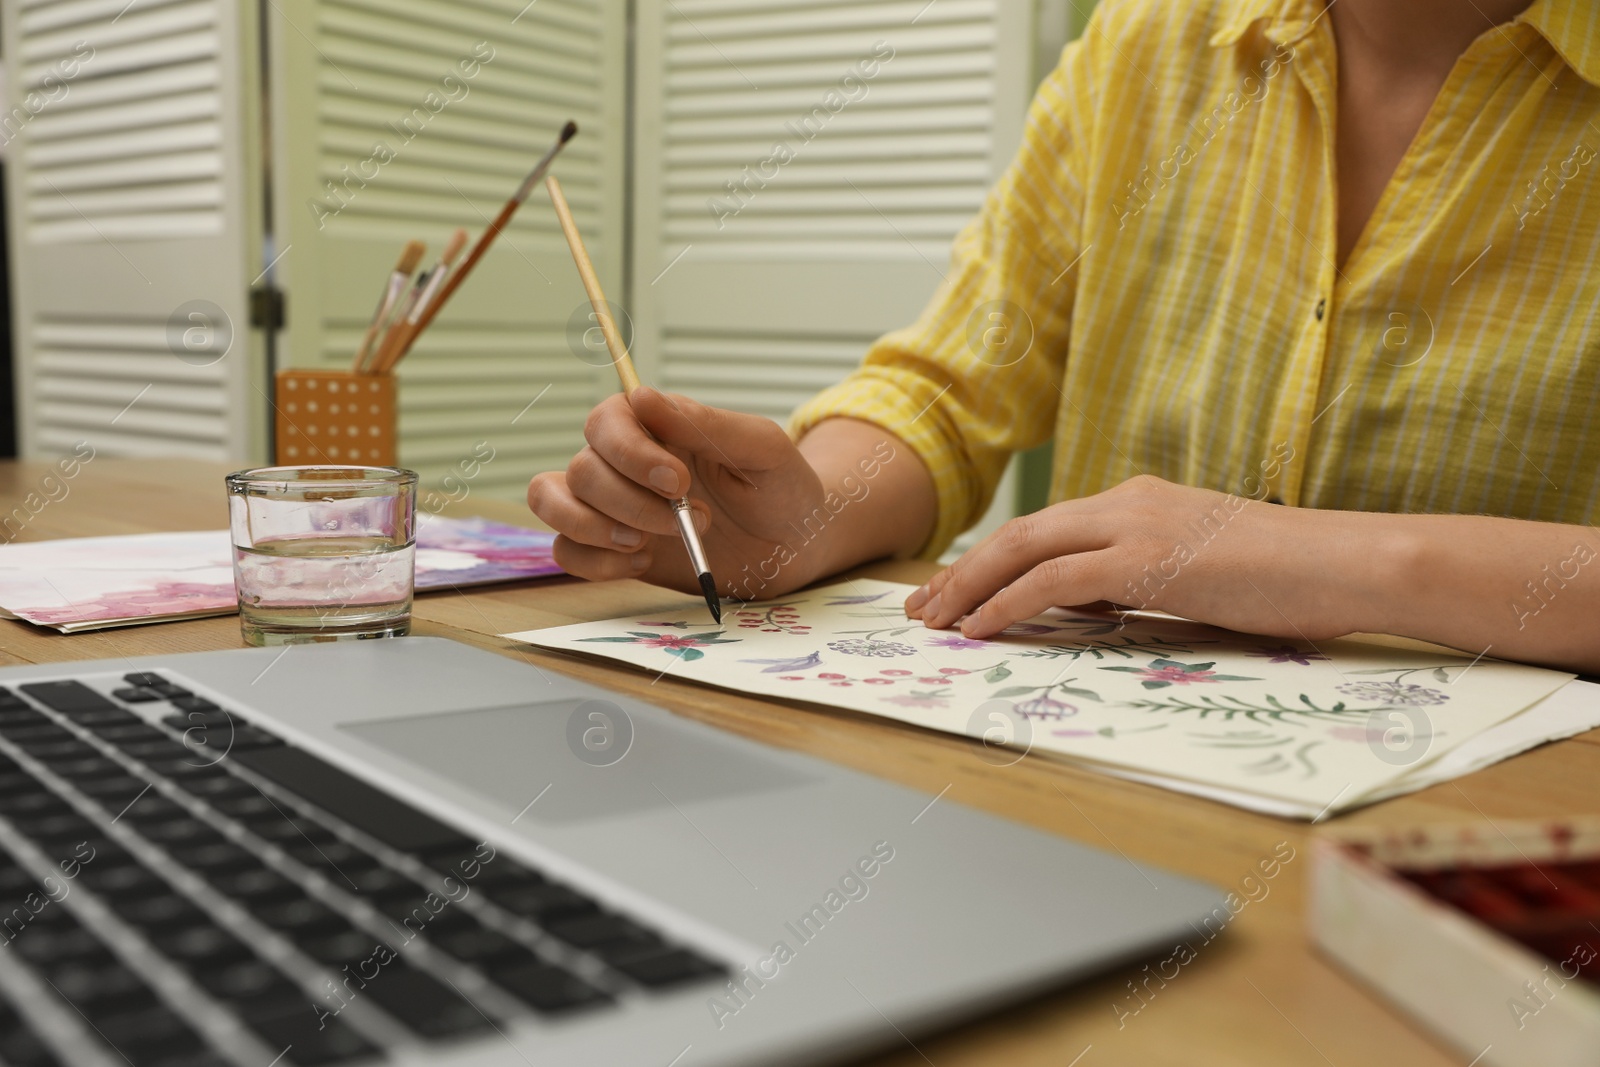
point(1518, 590)
point(882, 499)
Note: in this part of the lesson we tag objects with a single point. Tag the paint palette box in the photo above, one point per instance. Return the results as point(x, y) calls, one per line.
point(1487, 933)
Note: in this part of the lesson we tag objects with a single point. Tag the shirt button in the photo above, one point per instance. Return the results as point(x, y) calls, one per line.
point(1322, 305)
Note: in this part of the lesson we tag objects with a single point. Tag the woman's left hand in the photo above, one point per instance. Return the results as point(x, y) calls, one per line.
point(1148, 543)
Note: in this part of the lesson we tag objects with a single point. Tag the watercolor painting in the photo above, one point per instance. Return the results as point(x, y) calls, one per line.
point(88, 583)
point(1303, 724)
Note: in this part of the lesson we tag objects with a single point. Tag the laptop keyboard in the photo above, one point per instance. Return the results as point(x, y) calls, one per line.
point(188, 889)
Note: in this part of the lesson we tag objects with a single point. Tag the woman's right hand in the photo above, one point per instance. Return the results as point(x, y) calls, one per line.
point(749, 485)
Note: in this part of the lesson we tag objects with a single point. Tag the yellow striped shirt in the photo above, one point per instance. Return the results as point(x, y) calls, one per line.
point(1153, 280)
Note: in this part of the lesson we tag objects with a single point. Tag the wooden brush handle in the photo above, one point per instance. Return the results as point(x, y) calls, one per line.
point(591, 285)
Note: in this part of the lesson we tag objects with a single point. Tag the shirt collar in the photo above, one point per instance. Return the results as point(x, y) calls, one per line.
point(1571, 26)
point(1573, 29)
point(1289, 19)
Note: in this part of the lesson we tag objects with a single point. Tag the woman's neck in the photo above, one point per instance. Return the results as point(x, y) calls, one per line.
point(1417, 35)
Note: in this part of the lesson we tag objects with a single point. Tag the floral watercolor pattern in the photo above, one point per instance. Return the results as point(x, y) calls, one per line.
point(688, 647)
point(1164, 672)
point(1167, 699)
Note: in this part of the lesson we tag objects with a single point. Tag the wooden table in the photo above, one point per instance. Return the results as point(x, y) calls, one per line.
point(1260, 995)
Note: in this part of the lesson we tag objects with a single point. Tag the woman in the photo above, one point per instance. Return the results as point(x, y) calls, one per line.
point(1305, 294)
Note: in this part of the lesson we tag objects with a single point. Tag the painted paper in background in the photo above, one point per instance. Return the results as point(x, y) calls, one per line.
point(1276, 718)
point(92, 582)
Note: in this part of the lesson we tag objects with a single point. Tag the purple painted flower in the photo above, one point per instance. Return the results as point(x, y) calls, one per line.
point(956, 642)
point(1400, 694)
point(1163, 672)
point(1046, 708)
point(1285, 654)
point(860, 646)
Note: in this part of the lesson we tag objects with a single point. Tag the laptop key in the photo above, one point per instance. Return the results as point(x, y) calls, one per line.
point(598, 931)
point(346, 946)
point(663, 966)
point(104, 719)
point(423, 1003)
point(144, 679)
point(135, 694)
point(308, 1037)
point(87, 767)
point(301, 918)
point(204, 946)
point(541, 902)
point(192, 705)
point(128, 881)
point(125, 734)
point(163, 912)
point(545, 987)
point(106, 988)
point(245, 807)
point(363, 806)
point(153, 807)
point(149, 1036)
point(67, 697)
point(257, 887)
point(479, 945)
point(113, 791)
point(215, 858)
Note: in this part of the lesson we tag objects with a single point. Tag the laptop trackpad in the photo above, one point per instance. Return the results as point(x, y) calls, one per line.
point(582, 759)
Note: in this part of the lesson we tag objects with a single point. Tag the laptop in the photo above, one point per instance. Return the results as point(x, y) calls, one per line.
point(413, 851)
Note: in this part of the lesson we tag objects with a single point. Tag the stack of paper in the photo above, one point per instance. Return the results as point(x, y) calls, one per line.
point(91, 583)
point(1286, 727)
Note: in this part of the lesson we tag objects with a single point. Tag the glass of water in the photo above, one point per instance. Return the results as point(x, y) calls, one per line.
point(323, 553)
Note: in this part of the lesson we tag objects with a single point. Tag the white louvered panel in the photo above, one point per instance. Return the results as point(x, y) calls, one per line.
point(132, 203)
point(117, 384)
point(906, 156)
point(356, 74)
point(131, 146)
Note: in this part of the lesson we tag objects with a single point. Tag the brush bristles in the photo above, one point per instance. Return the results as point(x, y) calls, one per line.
point(458, 241)
point(569, 131)
point(410, 257)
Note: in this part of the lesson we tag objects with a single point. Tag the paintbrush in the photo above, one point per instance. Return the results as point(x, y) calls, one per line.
point(501, 221)
point(404, 332)
point(629, 377)
point(410, 256)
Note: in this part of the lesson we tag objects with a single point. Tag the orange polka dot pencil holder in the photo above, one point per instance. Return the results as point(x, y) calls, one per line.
point(335, 416)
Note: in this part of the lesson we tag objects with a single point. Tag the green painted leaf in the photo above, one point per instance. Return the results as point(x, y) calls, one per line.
point(1441, 674)
point(1015, 691)
point(686, 654)
point(1150, 683)
point(1087, 694)
point(712, 636)
point(997, 674)
point(1127, 670)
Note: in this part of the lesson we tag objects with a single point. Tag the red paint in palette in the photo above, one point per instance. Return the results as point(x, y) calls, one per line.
point(1552, 908)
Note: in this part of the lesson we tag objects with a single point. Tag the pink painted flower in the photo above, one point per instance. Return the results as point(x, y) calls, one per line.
point(953, 670)
point(670, 641)
point(896, 674)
